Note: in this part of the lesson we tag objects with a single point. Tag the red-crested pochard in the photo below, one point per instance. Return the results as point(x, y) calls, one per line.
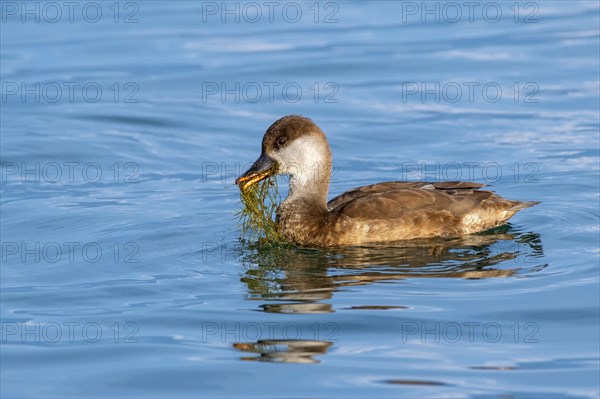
point(378, 213)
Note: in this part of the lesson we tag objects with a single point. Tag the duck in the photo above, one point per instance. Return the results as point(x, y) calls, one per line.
point(380, 213)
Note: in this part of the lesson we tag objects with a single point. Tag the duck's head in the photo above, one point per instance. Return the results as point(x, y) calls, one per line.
point(294, 146)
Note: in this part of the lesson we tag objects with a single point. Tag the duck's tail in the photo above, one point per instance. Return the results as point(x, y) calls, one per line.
point(518, 205)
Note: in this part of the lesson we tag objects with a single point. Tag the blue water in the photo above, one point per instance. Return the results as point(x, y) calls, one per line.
point(124, 125)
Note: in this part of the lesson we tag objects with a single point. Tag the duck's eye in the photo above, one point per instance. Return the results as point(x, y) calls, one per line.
point(280, 141)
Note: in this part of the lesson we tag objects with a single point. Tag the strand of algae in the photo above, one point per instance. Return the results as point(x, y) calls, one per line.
point(256, 218)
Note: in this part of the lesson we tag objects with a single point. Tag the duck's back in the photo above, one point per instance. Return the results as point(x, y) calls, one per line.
point(394, 211)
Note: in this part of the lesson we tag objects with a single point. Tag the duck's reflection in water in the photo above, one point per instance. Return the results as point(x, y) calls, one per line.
point(297, 280)
point(307, 276)
point(284, 350)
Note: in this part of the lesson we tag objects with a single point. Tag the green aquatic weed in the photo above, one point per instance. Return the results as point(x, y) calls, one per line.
point(257, 218)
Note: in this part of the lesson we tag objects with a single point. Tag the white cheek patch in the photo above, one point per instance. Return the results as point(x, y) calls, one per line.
point(303, 158)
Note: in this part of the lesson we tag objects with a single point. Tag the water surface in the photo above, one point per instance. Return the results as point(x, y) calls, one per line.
point(122, 270)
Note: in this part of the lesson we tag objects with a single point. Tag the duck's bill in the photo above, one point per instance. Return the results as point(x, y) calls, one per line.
point(260, 170)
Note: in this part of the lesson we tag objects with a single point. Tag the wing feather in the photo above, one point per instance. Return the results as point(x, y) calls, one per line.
point(390, 200)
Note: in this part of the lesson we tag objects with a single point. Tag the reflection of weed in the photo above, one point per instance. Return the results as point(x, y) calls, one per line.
point(257, 217)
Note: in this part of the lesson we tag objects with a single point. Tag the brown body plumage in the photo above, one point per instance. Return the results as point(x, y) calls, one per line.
point(382, 212)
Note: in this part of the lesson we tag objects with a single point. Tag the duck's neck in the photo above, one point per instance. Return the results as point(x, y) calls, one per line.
point(308, 190)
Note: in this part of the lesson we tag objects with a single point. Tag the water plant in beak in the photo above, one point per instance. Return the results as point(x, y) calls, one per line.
point(260, 196)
